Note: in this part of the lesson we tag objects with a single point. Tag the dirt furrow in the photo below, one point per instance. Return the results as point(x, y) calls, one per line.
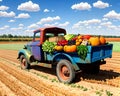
point(117, 63)
point(4, 90)
point(36, 82)
point(40, 85)
point(10, 58)
point(104, 77)
point(16, 85)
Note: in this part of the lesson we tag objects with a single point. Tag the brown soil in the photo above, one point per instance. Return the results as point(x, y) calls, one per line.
point(39, 81)
point(113, 39)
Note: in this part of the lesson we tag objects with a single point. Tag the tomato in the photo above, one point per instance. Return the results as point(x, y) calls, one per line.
point(86, 37)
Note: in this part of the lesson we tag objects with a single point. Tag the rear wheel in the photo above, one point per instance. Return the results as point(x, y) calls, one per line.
point(65, 71)
point(24, 64)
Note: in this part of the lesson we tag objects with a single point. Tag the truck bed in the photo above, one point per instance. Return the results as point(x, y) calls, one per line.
point(95, 53)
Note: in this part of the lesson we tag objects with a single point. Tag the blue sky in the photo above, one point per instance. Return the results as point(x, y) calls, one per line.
point(98, 17)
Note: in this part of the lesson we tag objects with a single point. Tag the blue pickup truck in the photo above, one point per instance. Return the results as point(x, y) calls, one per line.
point(67, 64)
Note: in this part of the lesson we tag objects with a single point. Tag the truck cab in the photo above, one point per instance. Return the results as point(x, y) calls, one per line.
point(35, 47)
point(39, 37)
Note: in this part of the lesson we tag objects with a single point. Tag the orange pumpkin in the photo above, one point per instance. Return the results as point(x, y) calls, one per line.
point(70, 48)
point(102, 40)
point(94, 41)
point(59, 48)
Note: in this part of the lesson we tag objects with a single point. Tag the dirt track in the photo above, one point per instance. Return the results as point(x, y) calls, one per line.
point(39, 81)
point(113, 39)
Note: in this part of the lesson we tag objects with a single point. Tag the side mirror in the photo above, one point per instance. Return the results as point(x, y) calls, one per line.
point(25, 47)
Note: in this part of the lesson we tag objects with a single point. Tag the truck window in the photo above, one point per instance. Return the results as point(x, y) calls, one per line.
point(61, 34)
point(36, 36)
point(48, 35)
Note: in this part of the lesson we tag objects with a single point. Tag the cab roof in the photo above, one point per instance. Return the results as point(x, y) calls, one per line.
point(51, 29)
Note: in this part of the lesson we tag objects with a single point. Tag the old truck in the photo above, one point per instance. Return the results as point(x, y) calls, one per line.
point(67, 63)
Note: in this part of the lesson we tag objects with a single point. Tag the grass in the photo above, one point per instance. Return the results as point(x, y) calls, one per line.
point(116, 46)
point(11, 46)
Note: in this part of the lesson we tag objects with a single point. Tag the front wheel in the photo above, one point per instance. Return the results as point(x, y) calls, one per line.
point(65, 71)
point(24, 64)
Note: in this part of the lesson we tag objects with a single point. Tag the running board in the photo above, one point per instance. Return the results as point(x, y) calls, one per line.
point(47, 65)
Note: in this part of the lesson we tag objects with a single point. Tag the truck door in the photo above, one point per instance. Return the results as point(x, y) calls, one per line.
point(35, 46)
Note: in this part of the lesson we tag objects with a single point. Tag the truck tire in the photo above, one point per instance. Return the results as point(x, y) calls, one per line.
point(24, 64)
point(65, 71)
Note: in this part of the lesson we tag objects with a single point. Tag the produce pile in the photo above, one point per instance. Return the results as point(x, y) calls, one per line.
point(74, 43)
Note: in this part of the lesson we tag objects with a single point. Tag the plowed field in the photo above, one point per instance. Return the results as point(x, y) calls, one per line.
point(39, 81)
point(113, 39)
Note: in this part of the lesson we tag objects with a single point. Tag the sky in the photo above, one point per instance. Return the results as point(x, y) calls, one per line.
point(95, 17)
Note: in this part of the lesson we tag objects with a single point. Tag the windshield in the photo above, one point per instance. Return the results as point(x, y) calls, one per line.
point(36, 36)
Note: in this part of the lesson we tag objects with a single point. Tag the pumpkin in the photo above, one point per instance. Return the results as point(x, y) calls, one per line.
point(102, 40)
point(94, 41)
point(70, 48)
point(58, 48)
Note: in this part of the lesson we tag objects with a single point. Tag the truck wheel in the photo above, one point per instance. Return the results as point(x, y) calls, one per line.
point(65, 71)
point(24, 64)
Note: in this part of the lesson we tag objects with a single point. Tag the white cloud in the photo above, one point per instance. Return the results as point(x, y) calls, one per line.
point(56, 24)
point(64, 24)
point(11, 21)
point(105, 19)
point(34, 26)
point(5, 14)
point(4, 27)
point(46, 10)
point(3, 8)
point(113, 27)
point(28, 31)
point(99, 27)
point(81, 6)
point(100, 4)
point(93, 21)
point(51, 25)
point(0, 0)
point(23, 15)
point(48, 19)
point(86, 23)
point(88, 27)
point(112, 15)
point(29, 6)
point(106, 24)
point(109, 25)
point(16, 29)
point(20, 25)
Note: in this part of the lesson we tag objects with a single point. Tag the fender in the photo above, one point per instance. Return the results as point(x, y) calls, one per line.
point(26, 53)
point(59, 56)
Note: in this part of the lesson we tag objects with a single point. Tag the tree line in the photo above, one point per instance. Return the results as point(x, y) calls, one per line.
point(13, 36)
point(19, 36)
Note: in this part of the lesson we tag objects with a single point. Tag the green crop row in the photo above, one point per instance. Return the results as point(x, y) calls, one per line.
point(15, 39)
point(11, 46)
point(116, 46)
